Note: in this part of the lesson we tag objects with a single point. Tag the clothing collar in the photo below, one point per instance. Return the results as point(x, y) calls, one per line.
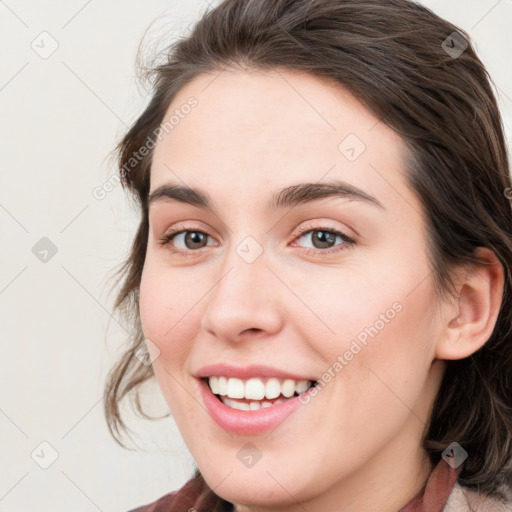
point(432, 498)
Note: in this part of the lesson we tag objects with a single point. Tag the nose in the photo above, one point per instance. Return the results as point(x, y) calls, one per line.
point(245, 301)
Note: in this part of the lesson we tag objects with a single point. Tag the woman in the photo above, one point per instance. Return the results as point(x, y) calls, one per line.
point(322, 271)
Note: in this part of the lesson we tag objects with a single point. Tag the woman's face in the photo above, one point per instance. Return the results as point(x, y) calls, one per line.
point(261, 278)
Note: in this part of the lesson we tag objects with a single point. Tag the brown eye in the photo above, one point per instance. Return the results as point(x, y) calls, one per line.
point(185, 240)
point(322, 238)
point(194, 239)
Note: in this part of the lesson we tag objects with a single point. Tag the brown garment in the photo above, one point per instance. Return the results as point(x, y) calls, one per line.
point(440, 493)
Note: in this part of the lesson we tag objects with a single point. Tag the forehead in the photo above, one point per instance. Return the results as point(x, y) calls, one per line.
point(251, 131)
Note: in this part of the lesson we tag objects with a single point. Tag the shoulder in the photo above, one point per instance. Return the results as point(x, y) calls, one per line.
point(162, 503)
point(194, 495)
point(463, 499)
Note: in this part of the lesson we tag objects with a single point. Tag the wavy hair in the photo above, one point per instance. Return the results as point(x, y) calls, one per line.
point(418, 74)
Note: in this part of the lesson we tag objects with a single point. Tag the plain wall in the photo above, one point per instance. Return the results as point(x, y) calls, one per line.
point(61, 115)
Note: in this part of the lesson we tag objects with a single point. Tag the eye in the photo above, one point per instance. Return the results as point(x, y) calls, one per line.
point(189, 240)
point(323, 239)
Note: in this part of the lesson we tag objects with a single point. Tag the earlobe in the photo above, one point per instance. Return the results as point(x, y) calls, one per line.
point(470, 322)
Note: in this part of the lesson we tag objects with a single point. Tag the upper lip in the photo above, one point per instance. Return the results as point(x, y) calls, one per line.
point(247, 372)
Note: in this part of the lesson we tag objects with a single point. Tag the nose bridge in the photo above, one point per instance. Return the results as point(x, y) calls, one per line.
point(242, 297)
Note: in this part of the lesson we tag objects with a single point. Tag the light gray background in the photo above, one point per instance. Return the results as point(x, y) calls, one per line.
point(60, 117)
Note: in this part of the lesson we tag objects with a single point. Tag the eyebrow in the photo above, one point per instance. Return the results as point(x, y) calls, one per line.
point(291, 196)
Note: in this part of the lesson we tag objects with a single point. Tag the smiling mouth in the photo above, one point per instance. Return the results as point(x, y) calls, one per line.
point(256, 393)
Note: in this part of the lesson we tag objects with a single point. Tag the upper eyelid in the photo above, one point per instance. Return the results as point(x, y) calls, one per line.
point(318, 226)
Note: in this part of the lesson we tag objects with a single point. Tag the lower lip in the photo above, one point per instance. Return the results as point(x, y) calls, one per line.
point(246, 423)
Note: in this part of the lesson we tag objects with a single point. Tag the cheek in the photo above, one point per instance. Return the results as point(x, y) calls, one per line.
point(386, 378)
point(169, 319)
point(380, 351)
point(167, 313)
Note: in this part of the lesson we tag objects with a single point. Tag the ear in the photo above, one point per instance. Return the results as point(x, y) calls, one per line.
point(470, 321)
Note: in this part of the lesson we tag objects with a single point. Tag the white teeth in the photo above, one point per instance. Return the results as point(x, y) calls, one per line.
point(288, 388)
point(301, 386)
point(272, 388)
point(235, 388)
point(223, 386)
point(256, 388)
point(254, 406)
point(241, 406)
point(251, 406)
point(214, 385)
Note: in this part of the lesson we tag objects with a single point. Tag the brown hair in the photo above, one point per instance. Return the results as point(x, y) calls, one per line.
point(414, 72)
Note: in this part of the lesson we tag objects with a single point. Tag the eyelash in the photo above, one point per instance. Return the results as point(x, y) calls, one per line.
point(348, 241)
